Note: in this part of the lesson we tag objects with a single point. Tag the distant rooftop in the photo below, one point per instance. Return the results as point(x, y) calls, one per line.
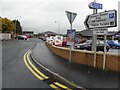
point(89, 33)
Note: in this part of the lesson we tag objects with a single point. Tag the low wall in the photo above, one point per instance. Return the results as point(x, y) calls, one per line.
point(5, 36)
point(87, 57)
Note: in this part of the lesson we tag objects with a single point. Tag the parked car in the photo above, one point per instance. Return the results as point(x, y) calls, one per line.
point(88, 46)
point(52, 40)
point(64, 43)
point(21, 37)
point(113, 44)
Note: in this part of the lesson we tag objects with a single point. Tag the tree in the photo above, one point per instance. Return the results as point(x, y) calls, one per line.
point(18, 28)
point(7, 25)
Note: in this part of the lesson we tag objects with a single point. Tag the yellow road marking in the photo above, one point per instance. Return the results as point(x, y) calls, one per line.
point(32, 71)
point(26, 58)
point(62, 86)
point(35, 67)
point(54, 87)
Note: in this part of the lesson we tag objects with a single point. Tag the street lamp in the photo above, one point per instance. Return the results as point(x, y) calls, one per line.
point(58, 26)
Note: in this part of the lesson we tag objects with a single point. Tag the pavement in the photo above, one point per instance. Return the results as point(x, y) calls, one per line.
point(83, 76)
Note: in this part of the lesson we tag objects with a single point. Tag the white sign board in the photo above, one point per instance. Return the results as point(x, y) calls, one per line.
point(100, 31)
point(101, 20)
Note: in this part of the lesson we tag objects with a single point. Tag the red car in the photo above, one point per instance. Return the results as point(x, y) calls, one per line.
point(64, 41)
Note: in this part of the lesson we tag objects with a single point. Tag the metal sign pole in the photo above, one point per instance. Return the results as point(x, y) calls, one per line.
point(71, 16)
point(104, 56)
point(94, 39)
point(95, 45)
point(70, 46)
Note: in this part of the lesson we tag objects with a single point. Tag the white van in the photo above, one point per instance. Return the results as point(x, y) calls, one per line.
point(52, 39)
point(58, 40)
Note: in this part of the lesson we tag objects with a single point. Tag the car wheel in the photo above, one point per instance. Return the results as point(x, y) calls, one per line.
point(107, 50)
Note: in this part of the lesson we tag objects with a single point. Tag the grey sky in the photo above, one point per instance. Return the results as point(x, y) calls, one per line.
point(40, 15)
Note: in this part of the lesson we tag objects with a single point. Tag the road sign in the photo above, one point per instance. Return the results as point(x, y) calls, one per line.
point(71, 16)
point(101, 20)
point(100, 31)
point(70, 37)
point(94, 5)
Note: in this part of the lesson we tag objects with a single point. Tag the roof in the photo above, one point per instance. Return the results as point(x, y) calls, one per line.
point(49, 32)
point(85, 32)
point(89, 33)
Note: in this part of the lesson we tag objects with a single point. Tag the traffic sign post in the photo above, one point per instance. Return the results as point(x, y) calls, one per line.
point(71, 17)
point(101, 20)
point(100, 31)
point(94, 5)
point(104, 56)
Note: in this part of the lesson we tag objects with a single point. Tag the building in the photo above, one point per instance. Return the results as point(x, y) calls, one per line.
point(47, 33)
point(87, 35)
point(28, 33)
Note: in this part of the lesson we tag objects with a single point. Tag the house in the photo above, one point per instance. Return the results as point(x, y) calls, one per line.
point(87, 35)
point(28, 33)
point(47, 33)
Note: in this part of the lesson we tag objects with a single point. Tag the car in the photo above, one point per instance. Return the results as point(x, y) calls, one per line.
point(88, 46)
point(113, 44)
point(21, 37)
point(58, 40)
point(64, 43)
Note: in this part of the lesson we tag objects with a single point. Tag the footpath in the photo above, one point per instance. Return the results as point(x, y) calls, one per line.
point(83, 76)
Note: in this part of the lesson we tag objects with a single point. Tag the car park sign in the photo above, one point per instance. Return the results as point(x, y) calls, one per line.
point(102, 20)
point(100, 31)
point(94, 5)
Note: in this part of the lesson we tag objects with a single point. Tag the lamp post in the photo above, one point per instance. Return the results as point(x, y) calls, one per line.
point(58, 26)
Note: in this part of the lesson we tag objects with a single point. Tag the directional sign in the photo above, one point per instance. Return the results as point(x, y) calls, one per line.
point(71, 16)
point(100, 31)
point(101, 20)
point(94, 5)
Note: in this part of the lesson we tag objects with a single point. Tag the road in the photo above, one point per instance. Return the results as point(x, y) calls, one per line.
point(15, 73)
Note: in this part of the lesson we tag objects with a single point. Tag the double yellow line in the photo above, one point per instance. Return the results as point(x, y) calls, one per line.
point(40, 75)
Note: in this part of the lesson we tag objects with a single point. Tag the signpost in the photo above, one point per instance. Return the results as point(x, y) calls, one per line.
point(94, 5)
point(100, 31)
point(70, 40)
point(100, 22)
point(71, 17)
point(70, 33)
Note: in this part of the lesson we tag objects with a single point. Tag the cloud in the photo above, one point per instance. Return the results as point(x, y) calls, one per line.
point(40, 15)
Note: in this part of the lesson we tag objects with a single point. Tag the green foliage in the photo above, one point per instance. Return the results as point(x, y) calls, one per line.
point(7, 25)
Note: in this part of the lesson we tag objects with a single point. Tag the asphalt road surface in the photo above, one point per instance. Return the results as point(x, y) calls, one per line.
point(14, 72)
point(16, 75)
